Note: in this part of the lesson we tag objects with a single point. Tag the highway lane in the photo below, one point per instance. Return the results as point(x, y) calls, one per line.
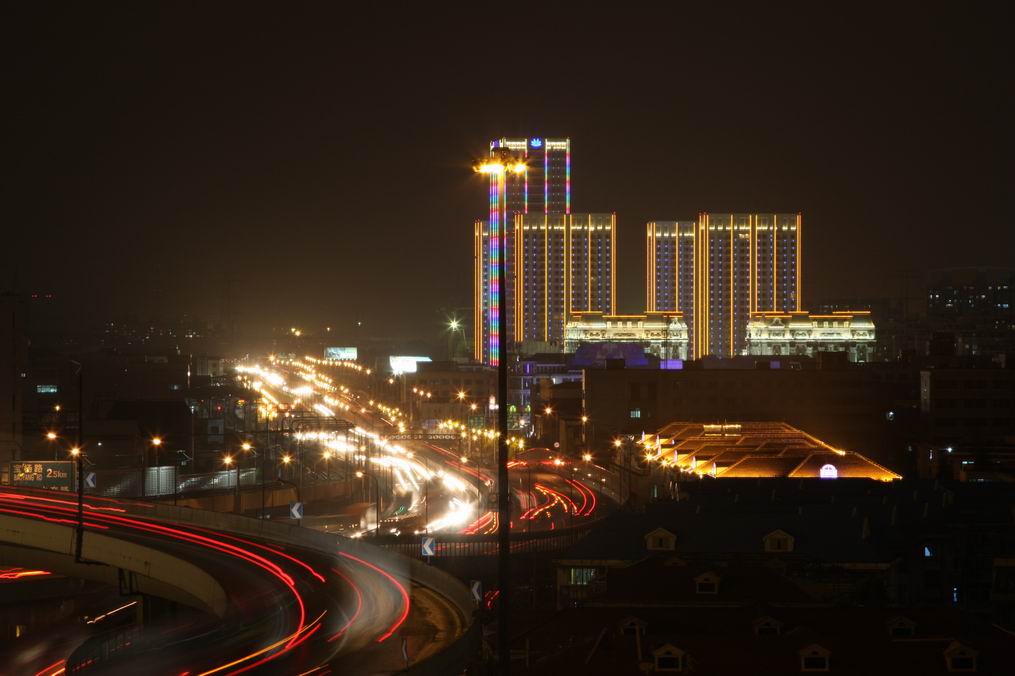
point(290, 610)
point(429, 486)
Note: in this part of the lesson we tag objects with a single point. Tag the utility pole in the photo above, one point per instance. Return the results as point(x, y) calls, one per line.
point(504, 493)
point(80, 466)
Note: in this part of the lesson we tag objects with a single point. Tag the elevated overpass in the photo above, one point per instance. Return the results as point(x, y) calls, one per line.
point(275, 598)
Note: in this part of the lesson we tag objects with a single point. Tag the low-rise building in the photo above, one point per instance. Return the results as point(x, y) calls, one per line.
point(805, 334)
point(756, 450)
point(663, 334)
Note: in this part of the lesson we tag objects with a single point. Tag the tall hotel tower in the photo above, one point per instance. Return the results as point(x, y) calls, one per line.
point(669, 264)
point(720, 271)
point(566, 260)
point(567, 264)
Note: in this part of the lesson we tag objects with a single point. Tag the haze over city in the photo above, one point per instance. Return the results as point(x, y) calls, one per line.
point(318, 142)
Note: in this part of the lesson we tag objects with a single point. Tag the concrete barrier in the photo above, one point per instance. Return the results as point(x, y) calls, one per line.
point(155, 572)
point(419, 572)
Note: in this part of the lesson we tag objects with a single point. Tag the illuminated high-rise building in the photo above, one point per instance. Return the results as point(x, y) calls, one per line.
point(745, 263)
point(565, 263)
point(532, 176)
point(670, 251)
point(592, 275)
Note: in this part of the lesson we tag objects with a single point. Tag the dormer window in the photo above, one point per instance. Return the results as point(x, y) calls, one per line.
point(660, 540)
point(901, 627)
point(707, 583)
point(960, 658)
point(767, 626)
point(814, 658)
point(778, 541)
point(668, 658)
point(631, 626)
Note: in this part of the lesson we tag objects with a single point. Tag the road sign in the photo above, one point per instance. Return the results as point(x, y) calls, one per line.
point(90, 480)
point(477, 590)
point(53, 474)
point(429, 546)
point(296, 510)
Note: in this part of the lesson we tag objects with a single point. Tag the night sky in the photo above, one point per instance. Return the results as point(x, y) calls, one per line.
point(314, 165)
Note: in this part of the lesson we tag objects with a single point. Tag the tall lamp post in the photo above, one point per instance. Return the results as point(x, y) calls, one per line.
point(497, 169)
point(156, 442)
point(619, 444)
point(228, 462)
point(377, 505)
point(79, 469)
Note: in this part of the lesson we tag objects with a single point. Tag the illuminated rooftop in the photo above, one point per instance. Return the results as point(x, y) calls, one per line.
point(756, 449)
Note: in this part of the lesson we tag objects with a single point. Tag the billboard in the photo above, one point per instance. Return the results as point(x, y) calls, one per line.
point(55, 475)
point(403, 364)
point(341, 353)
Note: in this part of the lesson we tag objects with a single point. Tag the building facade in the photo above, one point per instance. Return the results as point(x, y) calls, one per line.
point(746, 263)
point(976, 306)
point(805, 334)
point(557, 264)
point(670, 257)
point(533, 177)
point(720, 270)
point(663, 334)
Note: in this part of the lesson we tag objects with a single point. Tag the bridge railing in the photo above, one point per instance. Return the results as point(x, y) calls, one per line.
point(452, 660)
point(152, 482)
point(457, 544)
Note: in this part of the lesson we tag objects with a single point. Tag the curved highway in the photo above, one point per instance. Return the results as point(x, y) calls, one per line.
point(290, 610)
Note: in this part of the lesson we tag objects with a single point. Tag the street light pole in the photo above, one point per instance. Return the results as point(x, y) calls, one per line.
point(157, 443)
point(497, 170)
point(79, 456)
point(377, 504)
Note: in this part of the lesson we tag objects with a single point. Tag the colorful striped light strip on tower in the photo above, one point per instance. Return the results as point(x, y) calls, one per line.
point(546, 181)
point(567, 179)
point(493, 308)
point(526, 189)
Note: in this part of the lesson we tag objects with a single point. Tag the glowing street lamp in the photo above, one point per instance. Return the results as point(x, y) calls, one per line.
point(51, 436)
point(377, 506)
point(156, 443)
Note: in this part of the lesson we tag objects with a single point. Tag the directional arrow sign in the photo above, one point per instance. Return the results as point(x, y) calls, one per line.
point(429, 546)
point(477, 590)
point(90, 480)
point(296, 510)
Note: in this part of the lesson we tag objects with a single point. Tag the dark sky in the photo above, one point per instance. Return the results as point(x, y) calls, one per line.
point(313, 164)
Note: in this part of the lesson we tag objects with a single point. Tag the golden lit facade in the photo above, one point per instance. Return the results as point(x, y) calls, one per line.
point(670, 255)
point(566, 264)
point(543, 186)
point(663, 334)
point(744, 263)
point(805, 334)
point(756, 449)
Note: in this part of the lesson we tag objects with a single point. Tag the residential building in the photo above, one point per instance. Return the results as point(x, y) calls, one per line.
point(746, 263)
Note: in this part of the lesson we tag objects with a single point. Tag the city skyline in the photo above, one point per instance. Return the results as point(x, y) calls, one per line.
point(204, 161)
point(420, 339)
